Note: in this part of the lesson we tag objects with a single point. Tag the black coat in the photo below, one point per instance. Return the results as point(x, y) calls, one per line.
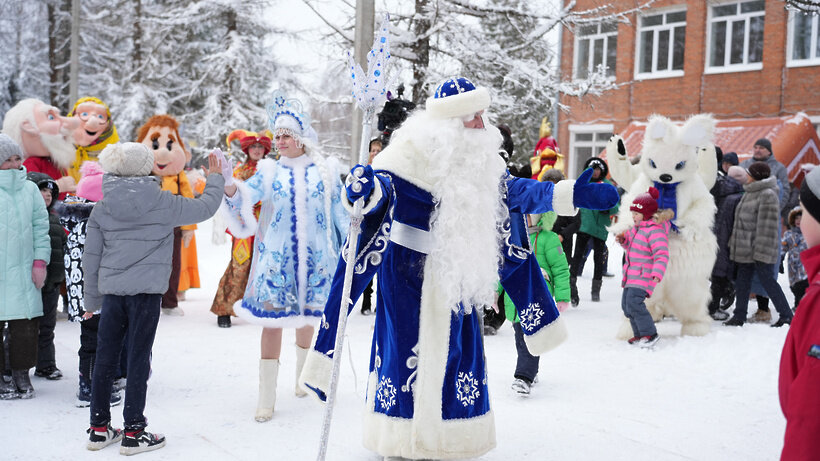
point(55, 272)
point(727, 193)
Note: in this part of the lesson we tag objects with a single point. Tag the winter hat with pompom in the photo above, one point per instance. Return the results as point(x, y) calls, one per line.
point(90, 185)
point(127, 159)
point(8, 148)
point(646, 203)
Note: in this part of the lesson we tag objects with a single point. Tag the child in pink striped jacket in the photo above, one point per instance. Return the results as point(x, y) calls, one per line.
point(646, 253)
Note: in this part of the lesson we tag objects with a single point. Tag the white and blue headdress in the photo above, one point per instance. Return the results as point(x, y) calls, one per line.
point(457, 97)
point(287, 114)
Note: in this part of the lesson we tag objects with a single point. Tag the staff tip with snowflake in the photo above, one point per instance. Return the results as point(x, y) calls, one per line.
point(370, 87)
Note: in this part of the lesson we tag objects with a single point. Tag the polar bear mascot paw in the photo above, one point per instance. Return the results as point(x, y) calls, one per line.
point(680, 162)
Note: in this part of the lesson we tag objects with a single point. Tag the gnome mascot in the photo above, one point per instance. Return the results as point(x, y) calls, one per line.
point(439, 243)
point(46, 139)
point(546, 156)
point(94, 131)
point(161, 134)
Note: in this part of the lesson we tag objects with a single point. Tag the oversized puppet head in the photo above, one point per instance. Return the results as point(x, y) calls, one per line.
point(161, 135)
point(96, 126)
point(41, 131)
point(671, 153)
point(255, 145)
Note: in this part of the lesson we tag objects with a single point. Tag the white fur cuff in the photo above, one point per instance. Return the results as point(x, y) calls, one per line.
point(374, 199)
point(562, 196)
point(547, 338)
point(316, 374)
point(241, 222)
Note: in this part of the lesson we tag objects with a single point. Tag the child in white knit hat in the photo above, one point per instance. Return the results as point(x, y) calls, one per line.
point(127, 264)
point(26, 250)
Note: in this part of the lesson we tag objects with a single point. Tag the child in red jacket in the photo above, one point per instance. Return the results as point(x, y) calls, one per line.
point(800, 361)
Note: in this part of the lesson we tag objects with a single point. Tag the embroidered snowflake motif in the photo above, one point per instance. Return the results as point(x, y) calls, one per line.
point(467, 388)
point(531, 316)
point(386, 394)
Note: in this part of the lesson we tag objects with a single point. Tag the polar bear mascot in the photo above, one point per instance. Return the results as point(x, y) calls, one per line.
point(680, 162)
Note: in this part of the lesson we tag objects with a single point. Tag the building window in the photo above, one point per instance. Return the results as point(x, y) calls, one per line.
point(587, 141)
point(661, 40)
point(736, 36)
point(804, 39)
point(596, 47)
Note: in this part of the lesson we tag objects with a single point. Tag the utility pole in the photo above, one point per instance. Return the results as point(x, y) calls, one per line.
point(365, 16)
point(74, 68)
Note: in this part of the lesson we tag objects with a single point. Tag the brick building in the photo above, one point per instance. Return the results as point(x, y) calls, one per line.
point(751, 63)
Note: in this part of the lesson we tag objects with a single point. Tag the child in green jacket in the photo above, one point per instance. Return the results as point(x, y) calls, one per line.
point(550, 256)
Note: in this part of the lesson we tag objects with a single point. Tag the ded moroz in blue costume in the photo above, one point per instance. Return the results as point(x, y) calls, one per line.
point(439, 241)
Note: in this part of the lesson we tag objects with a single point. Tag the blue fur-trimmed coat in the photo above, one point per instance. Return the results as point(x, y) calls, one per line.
point(427, 393)
point(297, 239)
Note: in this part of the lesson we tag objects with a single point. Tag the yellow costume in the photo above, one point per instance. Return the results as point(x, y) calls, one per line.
point(84, 153)
point(189, 266)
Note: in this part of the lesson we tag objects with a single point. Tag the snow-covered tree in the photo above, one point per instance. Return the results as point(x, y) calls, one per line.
point(502, 44)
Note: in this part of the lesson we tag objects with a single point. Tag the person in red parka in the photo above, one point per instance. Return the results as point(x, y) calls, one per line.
point(800, 361)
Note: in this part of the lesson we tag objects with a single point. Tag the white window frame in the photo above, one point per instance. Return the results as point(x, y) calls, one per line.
point(656, 29)
point(592, 37)
point(790, 61)
point(573, 165)
point(710, 20)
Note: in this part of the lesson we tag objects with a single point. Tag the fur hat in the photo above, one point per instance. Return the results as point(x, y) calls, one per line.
point(552, 175)
point(731, 158)
point(127, 159)
point(8, 148)
point(90, 185)
point(796, 211)
point(809, 193)
point(759, 170)
point(457, 97)
point(738, 173)
point(646, 203)
point(599, 163)
point(764, 143)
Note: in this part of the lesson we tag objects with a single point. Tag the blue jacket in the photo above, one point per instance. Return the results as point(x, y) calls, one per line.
point(23, 238)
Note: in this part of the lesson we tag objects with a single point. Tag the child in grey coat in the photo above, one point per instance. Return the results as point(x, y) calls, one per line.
point(127, 264)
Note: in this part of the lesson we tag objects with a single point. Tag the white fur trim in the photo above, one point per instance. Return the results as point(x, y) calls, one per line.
point(293, 321)
point(547, 338)
point(427, 435)
point(400, 158)
point(244, 225)
point(562, 198)
point(459, 105)
point(375, 198)
point(316, 372)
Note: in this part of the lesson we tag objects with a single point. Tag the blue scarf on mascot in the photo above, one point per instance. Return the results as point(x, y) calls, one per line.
point(667, 198)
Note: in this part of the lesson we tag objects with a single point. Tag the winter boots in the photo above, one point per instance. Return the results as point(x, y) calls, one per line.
point(268, 373)
point(596, 290)
point(521, 387)
point(301, 354)
point(8, 390)
point(84, 394)
point(762, 317)
point(23, 382)
point(573, 291)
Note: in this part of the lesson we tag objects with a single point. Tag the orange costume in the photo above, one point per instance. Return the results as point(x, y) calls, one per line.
point(232, 285)
point(161, 135)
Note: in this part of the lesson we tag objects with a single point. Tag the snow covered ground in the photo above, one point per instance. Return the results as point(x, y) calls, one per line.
point(709, 398)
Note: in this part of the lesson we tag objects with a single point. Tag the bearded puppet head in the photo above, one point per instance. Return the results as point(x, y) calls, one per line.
point(161, 135)
point(95, 125)
point(41, 131)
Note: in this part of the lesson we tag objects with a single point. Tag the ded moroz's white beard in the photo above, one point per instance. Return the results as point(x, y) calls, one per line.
point(61, 149)
point(466, 180)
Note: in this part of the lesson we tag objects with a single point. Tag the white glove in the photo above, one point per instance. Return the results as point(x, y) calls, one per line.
point(227, 166)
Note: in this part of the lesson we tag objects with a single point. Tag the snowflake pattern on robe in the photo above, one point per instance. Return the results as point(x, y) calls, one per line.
point(467, 388)
point(531, 316)
point(386, 393)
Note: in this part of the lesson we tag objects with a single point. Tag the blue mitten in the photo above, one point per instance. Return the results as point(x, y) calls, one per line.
point(593, 195)
point(359, 183)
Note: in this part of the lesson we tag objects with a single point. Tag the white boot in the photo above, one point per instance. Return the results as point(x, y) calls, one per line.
point(301, 354)
point(268, 372)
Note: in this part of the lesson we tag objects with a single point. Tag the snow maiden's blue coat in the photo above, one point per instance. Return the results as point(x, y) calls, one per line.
point(427, 391)
point(301, 227)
